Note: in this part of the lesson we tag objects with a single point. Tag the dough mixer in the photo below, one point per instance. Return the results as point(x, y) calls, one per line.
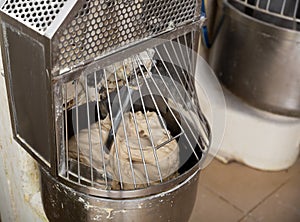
point(102, 94)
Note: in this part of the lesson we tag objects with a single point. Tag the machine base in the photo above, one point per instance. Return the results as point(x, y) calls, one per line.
point(259, 139)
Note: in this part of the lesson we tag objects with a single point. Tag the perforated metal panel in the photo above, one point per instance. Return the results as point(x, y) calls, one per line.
point(38, 14)
point(102, 25)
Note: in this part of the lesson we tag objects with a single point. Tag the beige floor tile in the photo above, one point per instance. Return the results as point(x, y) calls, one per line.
point(211, 208)
point(248, 218)
point(295, 169)
point(283, 205)
point(242, 186)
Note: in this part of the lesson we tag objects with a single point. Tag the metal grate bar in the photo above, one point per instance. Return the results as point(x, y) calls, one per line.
point(114, 133)
point(168, 141)
point(188, 53)
point(268, 5)
point(100, 132)
point(66, 142)
point(296, 10)
point(77, 128)
point(283, 7)
point(124, 127)
point(89, 131)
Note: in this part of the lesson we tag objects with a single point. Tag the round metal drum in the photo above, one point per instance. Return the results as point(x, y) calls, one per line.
point(62, 203)
point(257, 53)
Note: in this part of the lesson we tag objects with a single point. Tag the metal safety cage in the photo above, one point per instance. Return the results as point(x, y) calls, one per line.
point(133, 97)
point(44, 40)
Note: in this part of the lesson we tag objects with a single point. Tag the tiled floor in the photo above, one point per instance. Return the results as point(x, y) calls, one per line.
point(236, 193)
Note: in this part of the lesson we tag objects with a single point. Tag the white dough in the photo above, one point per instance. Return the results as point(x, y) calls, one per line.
point(167, 155)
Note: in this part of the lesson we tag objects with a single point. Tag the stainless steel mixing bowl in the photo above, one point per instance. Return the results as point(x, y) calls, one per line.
point(62, 203)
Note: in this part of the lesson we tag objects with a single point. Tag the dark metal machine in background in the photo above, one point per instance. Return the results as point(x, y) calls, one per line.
point(256, 53)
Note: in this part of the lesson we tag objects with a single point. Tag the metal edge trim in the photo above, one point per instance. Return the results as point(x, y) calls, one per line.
point(259, 25)
point(2, 2)
point(60, 18)
point(7, 75)
point(32, 152)
point(130, 194)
